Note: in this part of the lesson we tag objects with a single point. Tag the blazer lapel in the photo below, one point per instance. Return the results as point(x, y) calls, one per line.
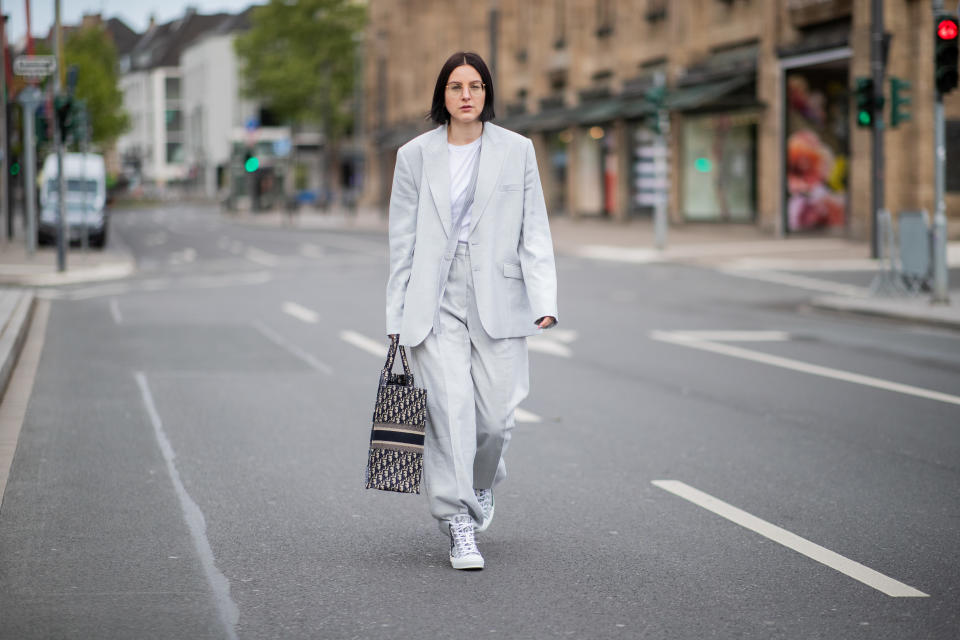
point(491, 161)
point(437, 166)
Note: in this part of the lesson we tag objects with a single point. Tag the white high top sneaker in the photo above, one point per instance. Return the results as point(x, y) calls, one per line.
point(485, 498)
point(463, 547)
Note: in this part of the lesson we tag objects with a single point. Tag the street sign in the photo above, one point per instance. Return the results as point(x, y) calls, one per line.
point(34, 66)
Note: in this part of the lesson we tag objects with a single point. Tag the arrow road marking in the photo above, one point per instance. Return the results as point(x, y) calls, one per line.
point(790, 540)
point(379, 349)
point(301, 313)
point(686, 339)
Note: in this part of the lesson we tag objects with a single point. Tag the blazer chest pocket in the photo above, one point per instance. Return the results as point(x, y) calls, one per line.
point(512, 270)
point(511, 187)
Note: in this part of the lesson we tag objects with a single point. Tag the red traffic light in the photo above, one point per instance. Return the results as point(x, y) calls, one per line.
point(947, 29)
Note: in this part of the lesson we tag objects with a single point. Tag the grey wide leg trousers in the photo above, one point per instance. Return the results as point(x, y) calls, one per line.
point(474, 383)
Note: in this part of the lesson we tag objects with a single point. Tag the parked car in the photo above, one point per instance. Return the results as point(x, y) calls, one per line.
point(86, 198)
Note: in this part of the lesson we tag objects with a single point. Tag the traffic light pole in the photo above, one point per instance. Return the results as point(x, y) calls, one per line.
point(4, 145)
point(877, 72)
point(940, 273)
point(62, 238)
point(30, 99)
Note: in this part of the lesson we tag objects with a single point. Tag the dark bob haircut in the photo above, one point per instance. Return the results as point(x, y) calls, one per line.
point(438, 110)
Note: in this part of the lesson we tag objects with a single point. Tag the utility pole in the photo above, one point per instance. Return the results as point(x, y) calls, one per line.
point(4, 142)
point(877, 72)
point(62, 237)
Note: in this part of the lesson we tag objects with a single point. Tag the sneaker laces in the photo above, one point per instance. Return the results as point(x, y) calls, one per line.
point(462, 541)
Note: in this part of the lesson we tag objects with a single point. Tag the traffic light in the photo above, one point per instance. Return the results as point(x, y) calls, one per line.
point(899, 100)
point(66, 110)
point(15, 167)
point(655, 97)
point(945, 60)
point(863, 93)
point(250, 162)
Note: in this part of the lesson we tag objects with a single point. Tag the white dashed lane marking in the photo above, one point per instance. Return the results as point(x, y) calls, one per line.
point(300, 312)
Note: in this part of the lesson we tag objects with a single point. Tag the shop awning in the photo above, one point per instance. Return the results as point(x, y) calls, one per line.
point(703, 95)
point(597, 112)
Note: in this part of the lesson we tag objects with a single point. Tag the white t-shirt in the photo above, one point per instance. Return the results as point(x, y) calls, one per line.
point(463, 159)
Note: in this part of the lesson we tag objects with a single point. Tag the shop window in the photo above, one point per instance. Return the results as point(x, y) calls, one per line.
point(817, 147)
point(953, 155)
point(719, 168)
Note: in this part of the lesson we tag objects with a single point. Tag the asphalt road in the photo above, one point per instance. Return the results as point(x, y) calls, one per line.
point(191, 463)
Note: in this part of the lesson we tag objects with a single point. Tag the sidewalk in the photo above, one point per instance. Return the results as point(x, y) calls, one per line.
point(40, 270)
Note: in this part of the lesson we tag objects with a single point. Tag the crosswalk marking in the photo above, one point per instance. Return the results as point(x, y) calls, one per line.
point(790, 540)
point(301, 313)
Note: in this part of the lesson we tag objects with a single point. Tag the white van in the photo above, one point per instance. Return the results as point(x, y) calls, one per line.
point(86, 198)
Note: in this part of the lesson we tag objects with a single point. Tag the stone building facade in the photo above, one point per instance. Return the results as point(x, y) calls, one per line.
point(735, 111)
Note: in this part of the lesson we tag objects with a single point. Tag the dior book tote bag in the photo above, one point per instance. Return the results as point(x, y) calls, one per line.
point(395, 461)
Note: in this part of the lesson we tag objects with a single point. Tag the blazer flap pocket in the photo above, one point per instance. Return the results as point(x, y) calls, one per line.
point(511, 187)
point(512, 270)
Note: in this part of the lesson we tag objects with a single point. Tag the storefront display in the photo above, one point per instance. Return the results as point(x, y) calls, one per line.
point(817, 147)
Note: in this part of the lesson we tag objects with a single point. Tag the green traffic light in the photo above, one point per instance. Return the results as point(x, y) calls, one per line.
point(252, 164)
point(703, 165)
point(864, 118)
point(15, 169)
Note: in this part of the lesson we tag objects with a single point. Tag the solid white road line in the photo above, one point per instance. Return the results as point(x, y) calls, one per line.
point(293, 350)
point(115, 311)
point(261, 257)
point(301, 313)
point(226, 607)
point(802, 282)
point(680, 338)
point(790, 540)
point(736, 336)
point(361, 341)
point(379, 349)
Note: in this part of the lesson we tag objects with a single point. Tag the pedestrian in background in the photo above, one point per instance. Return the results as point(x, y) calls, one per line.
point(471, 276)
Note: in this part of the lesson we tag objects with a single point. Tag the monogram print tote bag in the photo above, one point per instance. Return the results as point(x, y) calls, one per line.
point(395, 461)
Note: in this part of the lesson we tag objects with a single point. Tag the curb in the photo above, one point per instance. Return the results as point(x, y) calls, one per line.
point(947, 317)
point(12, 336)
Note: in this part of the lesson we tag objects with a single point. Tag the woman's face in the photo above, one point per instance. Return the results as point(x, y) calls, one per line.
point(465, 94)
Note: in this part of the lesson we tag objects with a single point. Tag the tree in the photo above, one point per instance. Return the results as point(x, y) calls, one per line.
point(298, 56)
point(95, 56)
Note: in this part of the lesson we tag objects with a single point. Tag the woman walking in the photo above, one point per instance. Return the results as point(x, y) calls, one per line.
point(471, 276)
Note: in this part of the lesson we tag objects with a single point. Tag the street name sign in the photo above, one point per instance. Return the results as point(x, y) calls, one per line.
point(34, 66)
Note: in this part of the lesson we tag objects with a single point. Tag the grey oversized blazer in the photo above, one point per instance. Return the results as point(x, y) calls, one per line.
point(511, 250)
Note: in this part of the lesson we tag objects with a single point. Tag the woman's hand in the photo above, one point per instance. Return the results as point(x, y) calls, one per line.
point(546, 322)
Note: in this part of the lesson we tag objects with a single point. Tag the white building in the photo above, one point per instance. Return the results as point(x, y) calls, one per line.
point(153, 151)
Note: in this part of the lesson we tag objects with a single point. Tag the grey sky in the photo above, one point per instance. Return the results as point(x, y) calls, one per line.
point(136, 13)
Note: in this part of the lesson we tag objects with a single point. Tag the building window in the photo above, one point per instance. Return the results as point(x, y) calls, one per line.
point(953, 154)
point(174, 120)
point(560, 24)
point(172, 88)
point(605, 18)
point(656, 10)
point(174, 153)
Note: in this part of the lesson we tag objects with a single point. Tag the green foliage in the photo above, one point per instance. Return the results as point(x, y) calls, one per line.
point(299, 56)
point(96, 58)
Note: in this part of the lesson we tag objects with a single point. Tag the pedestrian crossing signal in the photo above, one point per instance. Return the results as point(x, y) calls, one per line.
point(251, 163)
point(863, 94)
